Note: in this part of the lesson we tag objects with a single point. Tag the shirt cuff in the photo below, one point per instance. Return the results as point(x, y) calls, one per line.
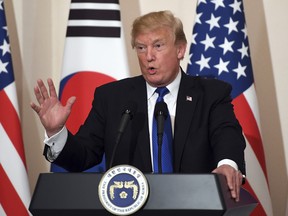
point(228, 162)
point(56, 143)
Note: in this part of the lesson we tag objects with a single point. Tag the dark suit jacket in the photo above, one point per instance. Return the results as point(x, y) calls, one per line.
point(206, 130)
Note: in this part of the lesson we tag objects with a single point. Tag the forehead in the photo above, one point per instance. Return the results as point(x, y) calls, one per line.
point(150, 36)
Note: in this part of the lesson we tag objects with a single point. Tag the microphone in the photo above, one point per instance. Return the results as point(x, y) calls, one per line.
point(127, 115)
point(160, 113)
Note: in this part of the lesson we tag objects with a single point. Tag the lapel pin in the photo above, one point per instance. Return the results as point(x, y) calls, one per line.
point(188, 98)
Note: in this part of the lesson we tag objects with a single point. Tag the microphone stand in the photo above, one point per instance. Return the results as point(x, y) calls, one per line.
point(160, 139)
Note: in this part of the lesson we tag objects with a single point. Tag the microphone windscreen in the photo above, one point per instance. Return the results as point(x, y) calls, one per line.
point(130, 108)
point(161, 109)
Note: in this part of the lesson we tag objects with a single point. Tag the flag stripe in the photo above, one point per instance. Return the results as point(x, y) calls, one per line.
point(259, 210)
point(250, 95)
point(10, 121)
point(257, 180)
point(94, 20)
point(95, 1)
point(94, 32)
point(9, 198)
point(17, 174)
point(98, 23)
point(94, 6)
point(88, 14)
point(250, 129)
point(2, 212)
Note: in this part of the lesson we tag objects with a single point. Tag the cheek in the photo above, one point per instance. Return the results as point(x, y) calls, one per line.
point(141, 60)
point(169, 60)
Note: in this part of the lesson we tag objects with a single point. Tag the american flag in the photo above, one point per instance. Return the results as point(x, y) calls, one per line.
point(94, 54)
point(14, 186)
point(220, 50)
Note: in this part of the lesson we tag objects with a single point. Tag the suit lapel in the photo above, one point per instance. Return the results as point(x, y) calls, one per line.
point(186, 104)
point(139, 95)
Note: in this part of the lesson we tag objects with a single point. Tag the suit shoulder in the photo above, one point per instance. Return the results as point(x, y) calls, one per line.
point(211, 84)
point(119, 84)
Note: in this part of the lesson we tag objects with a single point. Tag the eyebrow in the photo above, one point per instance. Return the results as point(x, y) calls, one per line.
point(153, 42)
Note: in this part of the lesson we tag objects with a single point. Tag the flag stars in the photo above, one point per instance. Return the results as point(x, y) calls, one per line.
point(244, 51)
point(197, 18)
point(226, 46)
point(203, 62)
point(193, 39)
point(5, 48)
point(240, 70)
point(218, 3)
point(3, 67)
point(213, 22)
point(190, 57)
point(202, 1)
point(208, 42)
point(222, 66)
point(5, 28)
point(236, 6)
point(244, 30)
point(232, 26)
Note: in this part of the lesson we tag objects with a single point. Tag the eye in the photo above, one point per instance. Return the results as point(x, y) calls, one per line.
point(140, 48)
point(159, 46)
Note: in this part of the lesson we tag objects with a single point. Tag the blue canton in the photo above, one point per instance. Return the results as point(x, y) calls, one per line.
point(220, 47)
point(6, 69)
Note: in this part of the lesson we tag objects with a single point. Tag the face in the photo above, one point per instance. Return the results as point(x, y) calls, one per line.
point(159, 57)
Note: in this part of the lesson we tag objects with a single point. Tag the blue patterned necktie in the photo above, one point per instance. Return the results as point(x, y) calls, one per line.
point(167, 155)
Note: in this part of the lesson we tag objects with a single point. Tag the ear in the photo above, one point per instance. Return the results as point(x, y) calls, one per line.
point(181, 49)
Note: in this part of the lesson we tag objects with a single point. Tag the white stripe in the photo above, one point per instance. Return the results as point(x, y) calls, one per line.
point(10, 90)
point(250, 95)
point(14, 167)
point(101, 6)
point(105, 55)
point(257, 179)
point(105, 23)
point(2, 212)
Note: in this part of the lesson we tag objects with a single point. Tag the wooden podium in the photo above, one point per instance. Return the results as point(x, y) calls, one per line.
point(76, 194)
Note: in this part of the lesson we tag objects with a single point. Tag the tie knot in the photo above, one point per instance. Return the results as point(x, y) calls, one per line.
point(162, 91)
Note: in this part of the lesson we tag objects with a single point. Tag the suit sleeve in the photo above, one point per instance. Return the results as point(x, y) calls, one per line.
point(224, 129)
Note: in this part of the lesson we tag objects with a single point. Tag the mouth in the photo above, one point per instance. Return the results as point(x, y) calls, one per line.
point(151, 70)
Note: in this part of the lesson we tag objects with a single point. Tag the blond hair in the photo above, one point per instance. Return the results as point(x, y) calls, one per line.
point(155, 20)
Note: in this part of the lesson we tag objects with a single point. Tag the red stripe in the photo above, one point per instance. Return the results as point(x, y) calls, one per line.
point(250, 129)
point(259, 210)
point(10, 121)
point(9, 199)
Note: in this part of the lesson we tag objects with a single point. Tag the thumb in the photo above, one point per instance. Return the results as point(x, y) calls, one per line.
point(70, 102)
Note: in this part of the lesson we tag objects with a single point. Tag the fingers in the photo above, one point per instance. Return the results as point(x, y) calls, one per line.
point(41, 91)
point(37, 93)
point(234, 183)
point(238, 185)
point(234, 179)
point(35, 107)
point(52, 90)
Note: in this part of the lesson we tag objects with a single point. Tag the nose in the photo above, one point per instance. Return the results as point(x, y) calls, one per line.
point(150, 55)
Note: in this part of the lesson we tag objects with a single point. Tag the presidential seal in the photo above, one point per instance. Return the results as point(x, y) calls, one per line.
point(123, 190)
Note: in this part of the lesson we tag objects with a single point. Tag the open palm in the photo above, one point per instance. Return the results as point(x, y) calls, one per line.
point(52, 113)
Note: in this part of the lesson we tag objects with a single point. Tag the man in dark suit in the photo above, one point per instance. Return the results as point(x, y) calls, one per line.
point(207, 135)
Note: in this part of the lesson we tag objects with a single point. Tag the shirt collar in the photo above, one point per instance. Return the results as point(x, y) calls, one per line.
point(173, 87)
